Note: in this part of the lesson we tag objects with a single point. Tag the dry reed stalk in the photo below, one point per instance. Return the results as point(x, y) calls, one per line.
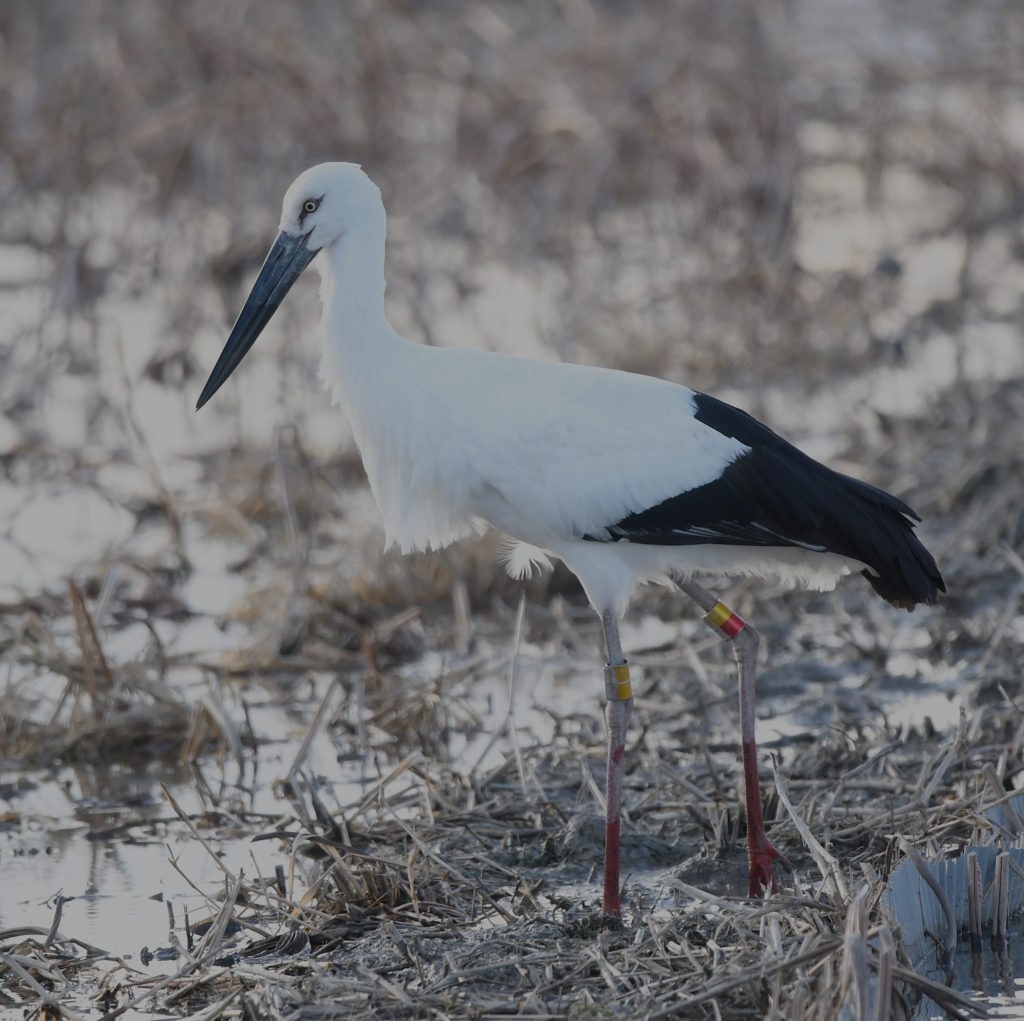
point(949, 942)
point(93, 660)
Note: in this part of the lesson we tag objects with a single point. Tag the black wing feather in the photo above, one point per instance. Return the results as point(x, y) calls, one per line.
point(775, 495)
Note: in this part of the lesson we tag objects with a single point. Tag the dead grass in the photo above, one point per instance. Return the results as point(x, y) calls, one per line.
point(435, 896)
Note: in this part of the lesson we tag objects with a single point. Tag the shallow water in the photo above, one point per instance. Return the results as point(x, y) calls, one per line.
point(106, 838)
point(997, 976)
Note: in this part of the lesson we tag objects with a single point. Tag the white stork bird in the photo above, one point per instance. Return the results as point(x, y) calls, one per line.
point(626, 478)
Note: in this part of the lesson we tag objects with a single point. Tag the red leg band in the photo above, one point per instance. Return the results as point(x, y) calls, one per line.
point(729, 623)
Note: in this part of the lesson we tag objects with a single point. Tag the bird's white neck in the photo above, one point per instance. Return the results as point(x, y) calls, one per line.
point(352, 276)
point(357, 334)
point(376, 376)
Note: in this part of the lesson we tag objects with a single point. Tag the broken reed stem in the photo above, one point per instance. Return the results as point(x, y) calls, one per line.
point(507, 722)
point(300, 543)
point(828, 864)
point(1000, 900)
point(513, 670)
point(949, 944)
point(974, 895)
point(931, 777)
point(55, 924)
point(1015, 823)
point(89, 644)
point(884, 973)
point(856, 982)
point(180, 813)
point(313, 729)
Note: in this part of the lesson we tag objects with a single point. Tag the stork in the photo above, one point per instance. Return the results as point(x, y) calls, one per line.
point(624, 477)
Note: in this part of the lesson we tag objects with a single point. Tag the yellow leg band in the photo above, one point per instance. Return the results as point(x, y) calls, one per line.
point(719, 614)
point(623, 688)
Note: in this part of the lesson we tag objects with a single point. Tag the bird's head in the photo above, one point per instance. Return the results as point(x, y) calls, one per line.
point(327, 201)
point(322, 205)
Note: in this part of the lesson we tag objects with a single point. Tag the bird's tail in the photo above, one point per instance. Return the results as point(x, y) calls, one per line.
point(900, 568)
point(913, 577)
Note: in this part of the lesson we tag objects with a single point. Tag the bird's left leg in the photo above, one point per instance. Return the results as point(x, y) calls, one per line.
point(617, 712)
point(744, 641)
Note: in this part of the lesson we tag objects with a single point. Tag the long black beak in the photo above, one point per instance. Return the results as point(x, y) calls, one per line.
point(285, 262)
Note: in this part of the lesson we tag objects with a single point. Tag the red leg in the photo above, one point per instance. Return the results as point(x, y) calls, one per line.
point(760, 849)
point(761, 852)
point(617, 712)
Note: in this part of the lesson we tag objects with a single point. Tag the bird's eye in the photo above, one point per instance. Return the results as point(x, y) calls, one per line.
point(310, 206)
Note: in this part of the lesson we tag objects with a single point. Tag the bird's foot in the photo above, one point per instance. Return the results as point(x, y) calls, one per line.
point(762, 854)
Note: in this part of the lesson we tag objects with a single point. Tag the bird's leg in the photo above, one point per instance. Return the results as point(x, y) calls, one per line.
point(744, 639)
point(617, 711)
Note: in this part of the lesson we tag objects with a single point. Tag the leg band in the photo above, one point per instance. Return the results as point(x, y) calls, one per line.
point(723, 619)
point(616, 682)
point(623, 689)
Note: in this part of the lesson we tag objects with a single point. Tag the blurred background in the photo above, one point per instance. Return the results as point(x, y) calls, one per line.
point(811, 208)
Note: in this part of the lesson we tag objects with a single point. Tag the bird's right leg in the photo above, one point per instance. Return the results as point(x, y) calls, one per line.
point(744, 639)
point(617, 712)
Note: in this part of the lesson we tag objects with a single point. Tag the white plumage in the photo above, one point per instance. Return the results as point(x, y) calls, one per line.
point(453, 440)
point(624, 477)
